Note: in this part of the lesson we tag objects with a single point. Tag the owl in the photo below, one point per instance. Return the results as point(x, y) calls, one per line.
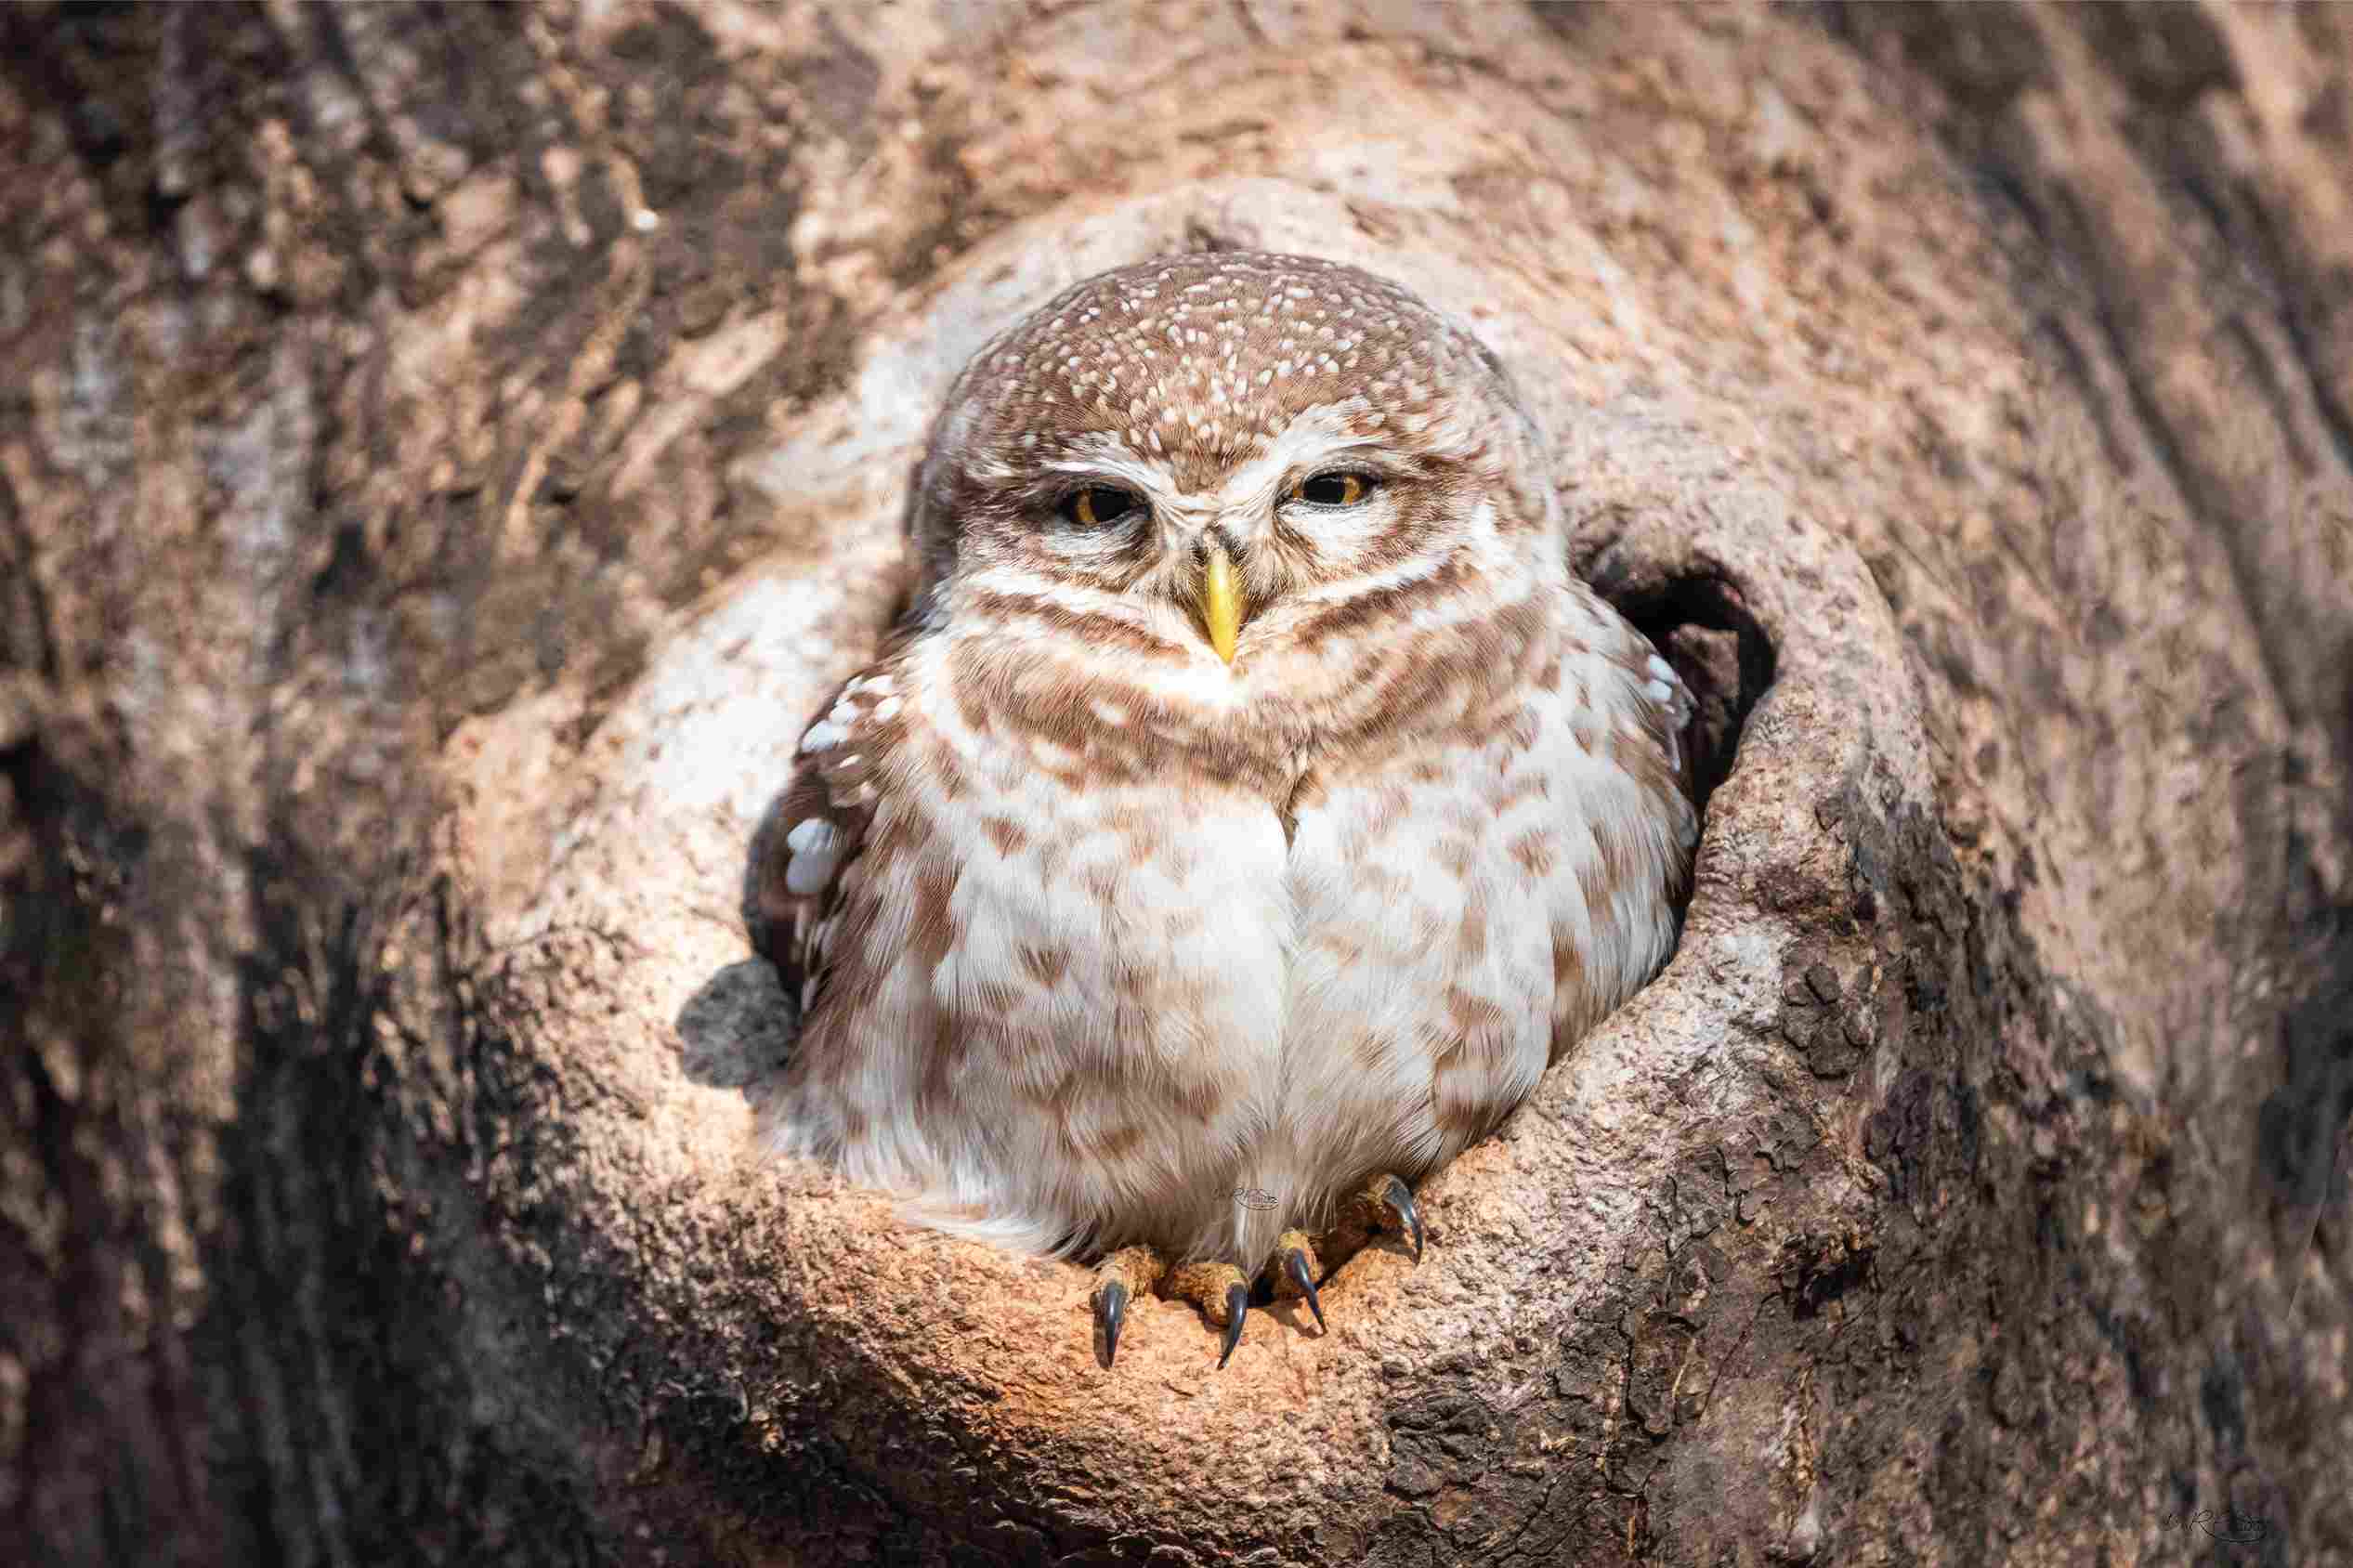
point(1249, 808)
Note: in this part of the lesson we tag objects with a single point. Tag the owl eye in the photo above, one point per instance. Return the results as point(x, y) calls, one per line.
point(1098, 505)
point(1333, 490)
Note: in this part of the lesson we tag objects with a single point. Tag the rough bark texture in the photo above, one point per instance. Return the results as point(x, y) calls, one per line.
point(446, 450)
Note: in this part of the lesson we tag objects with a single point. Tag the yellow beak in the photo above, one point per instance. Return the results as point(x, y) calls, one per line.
point(1223, 602)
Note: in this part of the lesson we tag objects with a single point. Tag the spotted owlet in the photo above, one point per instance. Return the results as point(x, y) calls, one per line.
point(1249, 808)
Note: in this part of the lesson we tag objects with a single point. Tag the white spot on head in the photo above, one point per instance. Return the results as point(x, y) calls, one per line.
point(822, 733)
point(1658, 691)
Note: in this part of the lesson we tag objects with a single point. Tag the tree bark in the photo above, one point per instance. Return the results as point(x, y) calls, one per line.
point(446, 452)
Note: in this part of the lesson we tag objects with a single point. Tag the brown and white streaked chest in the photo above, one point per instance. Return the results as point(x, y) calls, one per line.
point(1475, 900)
point(1070, 950)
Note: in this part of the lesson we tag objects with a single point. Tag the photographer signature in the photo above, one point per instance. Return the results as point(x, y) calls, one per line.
point(1254, 1198)
point(2228, 1525)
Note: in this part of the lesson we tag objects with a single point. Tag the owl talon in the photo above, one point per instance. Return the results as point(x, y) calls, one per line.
point(1111, 1309)
point(1221, 1290)
point(1382, 1205)
point(1293, 1272)
point(1302, 1274)
point(1237, 1305)
point(1398, 1210)
point(1118, 1281)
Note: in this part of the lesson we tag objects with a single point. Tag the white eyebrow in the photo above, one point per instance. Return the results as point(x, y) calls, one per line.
point(1110, 458)
point(1317, 435)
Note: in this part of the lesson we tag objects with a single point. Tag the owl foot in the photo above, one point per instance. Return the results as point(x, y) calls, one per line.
point(1221, 1290)
point(1384, 1205)
point(1117, 1280)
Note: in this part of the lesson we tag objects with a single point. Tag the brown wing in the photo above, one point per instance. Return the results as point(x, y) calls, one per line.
point(816, 829)
point(1665, 707)
point(1669, 717)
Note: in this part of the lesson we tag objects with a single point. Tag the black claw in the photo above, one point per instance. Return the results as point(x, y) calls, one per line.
point(1401, 1199)
point(1237, 1302)
point(1111, 1311)
point(1295, 1265)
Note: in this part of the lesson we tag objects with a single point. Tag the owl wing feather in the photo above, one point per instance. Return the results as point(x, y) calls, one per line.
point(1671, 707)
point(1665, 707)
point(815, 831)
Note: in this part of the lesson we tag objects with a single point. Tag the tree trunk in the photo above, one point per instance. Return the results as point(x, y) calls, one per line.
point(448, 451)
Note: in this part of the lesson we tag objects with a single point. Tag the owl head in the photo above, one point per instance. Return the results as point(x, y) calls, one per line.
point(1252, 452)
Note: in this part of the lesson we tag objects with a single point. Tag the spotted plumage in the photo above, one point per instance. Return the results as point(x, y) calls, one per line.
point(1252, 802)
